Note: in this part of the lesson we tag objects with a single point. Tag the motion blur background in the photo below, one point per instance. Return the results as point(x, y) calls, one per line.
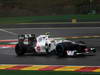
point(48, 7)
point(29, 11)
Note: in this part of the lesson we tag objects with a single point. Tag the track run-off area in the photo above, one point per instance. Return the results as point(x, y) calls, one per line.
point(8, 56)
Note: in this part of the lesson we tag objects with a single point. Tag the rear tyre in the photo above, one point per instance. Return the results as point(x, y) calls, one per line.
point(20, 49)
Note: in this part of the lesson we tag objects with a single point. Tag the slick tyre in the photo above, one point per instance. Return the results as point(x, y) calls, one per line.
point(60, 52)
point(20, 49)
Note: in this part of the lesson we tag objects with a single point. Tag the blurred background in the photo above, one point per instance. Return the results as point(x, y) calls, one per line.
point(26, 11)
point(48, 7)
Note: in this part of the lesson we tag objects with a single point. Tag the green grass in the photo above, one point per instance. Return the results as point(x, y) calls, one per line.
point(14, 72)
point(31, 19)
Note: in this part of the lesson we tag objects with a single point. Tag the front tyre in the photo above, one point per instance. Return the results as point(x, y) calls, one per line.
point(20, 49)
point(60, 50)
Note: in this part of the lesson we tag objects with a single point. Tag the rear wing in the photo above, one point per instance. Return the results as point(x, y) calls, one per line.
point(28, 37)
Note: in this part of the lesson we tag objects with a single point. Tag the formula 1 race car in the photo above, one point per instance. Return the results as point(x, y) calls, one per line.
point(29, 43)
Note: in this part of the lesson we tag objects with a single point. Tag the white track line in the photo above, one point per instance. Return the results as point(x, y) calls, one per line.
point(12, 33)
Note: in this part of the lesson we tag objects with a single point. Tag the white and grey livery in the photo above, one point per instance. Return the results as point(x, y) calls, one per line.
point(43, 44)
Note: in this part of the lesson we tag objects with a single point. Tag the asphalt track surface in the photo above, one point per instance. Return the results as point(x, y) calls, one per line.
point(8, 56)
